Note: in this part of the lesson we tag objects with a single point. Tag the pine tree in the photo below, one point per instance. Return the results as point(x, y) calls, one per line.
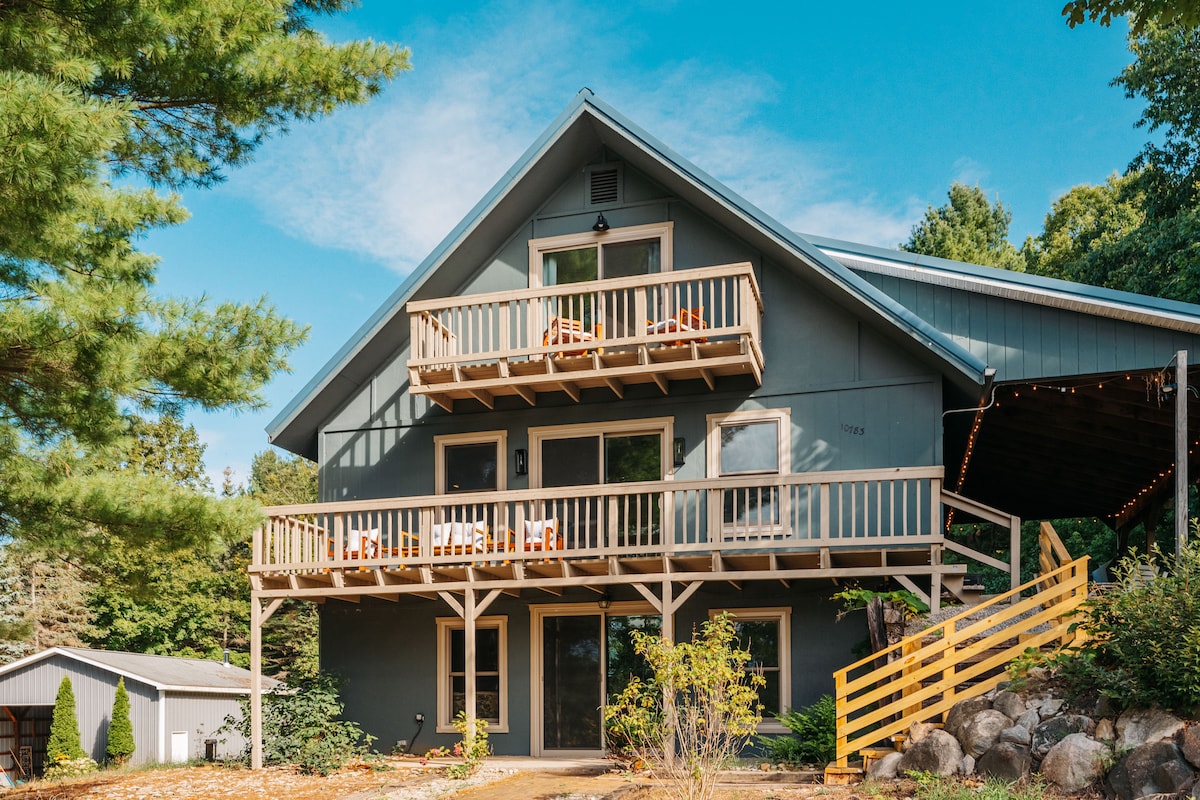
point(120, 728)
point(64, 744)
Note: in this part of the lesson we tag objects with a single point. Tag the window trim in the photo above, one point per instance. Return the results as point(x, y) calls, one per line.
point(783, 616)
point(781, 416)
point(445, 699)
point(663, 231)
point(500, 438)
point(661, 425)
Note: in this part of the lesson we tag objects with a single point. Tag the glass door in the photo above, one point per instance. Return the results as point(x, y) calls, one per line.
point(586, 659)
point(572, 690)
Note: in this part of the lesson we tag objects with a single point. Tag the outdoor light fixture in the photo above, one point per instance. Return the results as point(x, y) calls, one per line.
point(601, 224)
point(522, 461)
point(680, 451)
point(604, 602)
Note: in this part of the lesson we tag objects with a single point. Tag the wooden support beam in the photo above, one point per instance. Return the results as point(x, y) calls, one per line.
point(651, 598)
point(616, 386)
point(442, 400)
point(662, 382)
point(483, 396)
point(527, 394)
point(452, 601)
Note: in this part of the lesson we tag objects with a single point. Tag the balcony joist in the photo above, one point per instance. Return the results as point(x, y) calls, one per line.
point(692, 325)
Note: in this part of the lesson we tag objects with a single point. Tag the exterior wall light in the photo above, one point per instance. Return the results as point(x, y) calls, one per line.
point(601, 224)
point(521, 457)
point(680, 451)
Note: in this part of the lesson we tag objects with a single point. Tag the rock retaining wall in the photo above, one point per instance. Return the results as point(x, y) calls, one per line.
point(1009, 735)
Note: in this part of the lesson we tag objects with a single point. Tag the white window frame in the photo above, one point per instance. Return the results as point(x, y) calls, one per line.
point(665, 426)
point(663, 231)
point(783, 616)
point(440, 443)
point(782, 417)
point(445, 698)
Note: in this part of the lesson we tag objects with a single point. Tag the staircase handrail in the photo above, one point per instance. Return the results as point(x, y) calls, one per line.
point(1061, 592)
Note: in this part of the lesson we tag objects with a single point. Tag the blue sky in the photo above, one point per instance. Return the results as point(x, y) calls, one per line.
point(844, 120)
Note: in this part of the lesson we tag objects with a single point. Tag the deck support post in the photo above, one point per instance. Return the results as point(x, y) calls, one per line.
point(256, 743)
point(469, 657)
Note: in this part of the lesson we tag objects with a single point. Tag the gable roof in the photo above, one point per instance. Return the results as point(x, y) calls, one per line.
point(163, 673)
point(586, 126)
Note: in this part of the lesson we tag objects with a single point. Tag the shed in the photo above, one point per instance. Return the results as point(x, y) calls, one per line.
point(175, 703)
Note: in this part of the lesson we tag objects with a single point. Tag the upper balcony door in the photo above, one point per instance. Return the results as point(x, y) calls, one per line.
point(592, 256)
point(591, 455)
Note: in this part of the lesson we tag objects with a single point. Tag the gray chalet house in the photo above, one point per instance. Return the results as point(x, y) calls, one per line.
point(618, 396)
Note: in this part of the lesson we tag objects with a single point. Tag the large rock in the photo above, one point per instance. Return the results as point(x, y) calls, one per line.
point(1005, 761)
point(1189, 744)
point(1075, 762)
point(1141, 725)
point(964, 710)
point(918, 731)
point(1055, 729)
point(1017, 734)
point(938, 753)
point(1106, 731)
point(1029, 719)
point(1010, 704)
point(980, 731)
point(1153, 768)
point(885, 769)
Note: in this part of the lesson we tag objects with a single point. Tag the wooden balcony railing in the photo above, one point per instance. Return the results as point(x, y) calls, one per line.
point(699, 323)
point(883, 509)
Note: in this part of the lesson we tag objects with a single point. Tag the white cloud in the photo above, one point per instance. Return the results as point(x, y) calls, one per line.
point(390, 180)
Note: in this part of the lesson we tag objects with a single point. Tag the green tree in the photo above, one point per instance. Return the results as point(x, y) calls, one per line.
point(63, 744)
point(1140, 12)
point(1082, 230)
point(120, 727)
point(968, 228)
point(103, 106)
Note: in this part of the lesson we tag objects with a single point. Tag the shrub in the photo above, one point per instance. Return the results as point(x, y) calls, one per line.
point(64, 768)
point(300, 726)
point(1143, 647)
point(473, 748)
point(120, 728)
point(813, 739)
point(698, 711)
point(63, 744)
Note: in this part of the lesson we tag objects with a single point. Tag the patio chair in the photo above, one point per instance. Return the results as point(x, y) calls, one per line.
point(457, 538)
point(542, 534)
point(564, 330)
point(686, 319)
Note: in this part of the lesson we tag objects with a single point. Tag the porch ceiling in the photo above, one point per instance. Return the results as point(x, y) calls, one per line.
point(1079, 447)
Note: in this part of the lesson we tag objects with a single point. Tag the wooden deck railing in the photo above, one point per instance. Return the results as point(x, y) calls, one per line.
point(850, 509)
point(924, 680)
point(516, 325)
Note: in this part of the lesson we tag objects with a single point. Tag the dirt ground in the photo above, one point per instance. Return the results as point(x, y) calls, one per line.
point(394, 781)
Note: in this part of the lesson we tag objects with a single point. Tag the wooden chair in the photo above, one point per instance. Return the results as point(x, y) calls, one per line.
point(564, 330)
point(687, 319)
point(459, 538)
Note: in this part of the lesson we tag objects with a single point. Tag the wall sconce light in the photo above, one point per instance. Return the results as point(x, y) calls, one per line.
point(680, 451)
point(604, 602)
point(601, 224)
point(522, 461)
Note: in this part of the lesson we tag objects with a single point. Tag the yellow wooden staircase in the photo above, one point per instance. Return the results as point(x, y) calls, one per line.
point(921, 677)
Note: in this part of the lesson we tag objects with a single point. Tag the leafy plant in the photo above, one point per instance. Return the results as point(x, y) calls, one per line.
point(63, 744)
point(473, 748)
point(120, 728)
point(300, 726)
point(854, 598)
point(1143, 647)
point(63, 768)
point(695, 714)
point(813, 738)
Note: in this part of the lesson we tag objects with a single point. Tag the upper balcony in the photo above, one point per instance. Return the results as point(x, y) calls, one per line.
point(692, 324)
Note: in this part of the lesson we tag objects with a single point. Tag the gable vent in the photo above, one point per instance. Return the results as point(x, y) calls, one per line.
point(604, 186)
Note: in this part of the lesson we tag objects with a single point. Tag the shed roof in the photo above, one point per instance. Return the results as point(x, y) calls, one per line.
point(163, 673)
point(586, 126)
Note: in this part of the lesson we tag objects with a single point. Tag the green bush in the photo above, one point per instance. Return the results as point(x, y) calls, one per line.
point(300, 726)
point(813, 738)
point(1143, 647)
point(64, 768)
point(120, 727)
point(63, 744)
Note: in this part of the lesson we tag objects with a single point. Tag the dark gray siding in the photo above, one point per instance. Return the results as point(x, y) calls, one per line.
point(1021, 340)
point(384, 689)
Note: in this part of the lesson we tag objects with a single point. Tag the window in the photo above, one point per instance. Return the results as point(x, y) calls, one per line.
point(765, 633)
point(590, 256)
point(491, 672)
point(750, 443)
point(472, 462)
